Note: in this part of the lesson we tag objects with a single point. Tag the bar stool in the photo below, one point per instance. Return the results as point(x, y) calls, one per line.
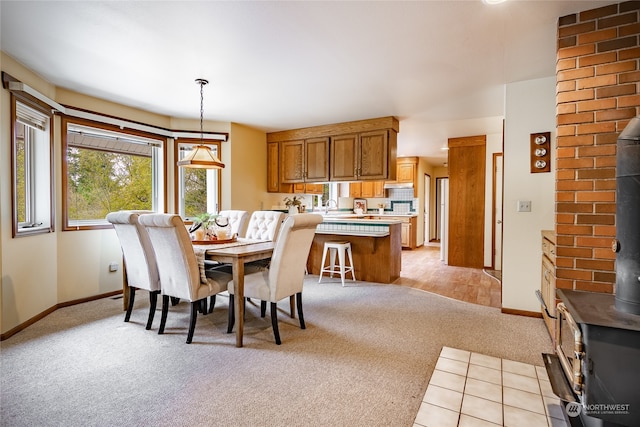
point(340, 248)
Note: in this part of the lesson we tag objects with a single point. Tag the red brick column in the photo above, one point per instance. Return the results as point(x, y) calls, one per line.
point(598, 92)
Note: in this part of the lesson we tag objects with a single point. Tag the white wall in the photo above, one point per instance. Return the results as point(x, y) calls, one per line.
point(530, 107)
point(29, 264)
point(38, 272)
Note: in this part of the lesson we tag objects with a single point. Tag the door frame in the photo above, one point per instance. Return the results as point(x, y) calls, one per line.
point(427, 210)
point(493, 207)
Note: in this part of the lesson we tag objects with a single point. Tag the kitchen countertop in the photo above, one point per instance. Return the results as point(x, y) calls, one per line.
point(356, 225)
point(366, 216)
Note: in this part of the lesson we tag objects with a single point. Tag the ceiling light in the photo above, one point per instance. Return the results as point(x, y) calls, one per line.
point(493, 1)
point(201, 156)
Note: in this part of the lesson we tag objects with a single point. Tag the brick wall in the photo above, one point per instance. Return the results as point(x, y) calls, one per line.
point(598, 92)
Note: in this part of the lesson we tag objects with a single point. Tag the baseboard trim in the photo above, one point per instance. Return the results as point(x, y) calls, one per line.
point(521, 312)
point(50, 310)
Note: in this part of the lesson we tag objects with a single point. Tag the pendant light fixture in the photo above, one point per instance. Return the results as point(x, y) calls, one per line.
point(201, 156)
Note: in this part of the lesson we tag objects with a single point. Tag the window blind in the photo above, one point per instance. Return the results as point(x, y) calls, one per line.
point(30, 117)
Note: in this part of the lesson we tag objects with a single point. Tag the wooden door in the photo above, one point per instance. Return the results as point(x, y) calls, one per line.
point(466, 208)
point(343, 162)
point(373, 155)
point(292, 161)
point(317, 160)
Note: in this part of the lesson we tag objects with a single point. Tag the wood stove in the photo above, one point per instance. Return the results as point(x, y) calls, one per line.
point(596, 365)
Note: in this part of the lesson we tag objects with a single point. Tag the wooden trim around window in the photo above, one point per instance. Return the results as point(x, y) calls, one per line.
point(36, 105)
point(66, 120)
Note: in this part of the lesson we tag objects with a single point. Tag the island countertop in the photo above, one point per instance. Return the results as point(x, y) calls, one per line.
point(375, 243)
point(356, 225)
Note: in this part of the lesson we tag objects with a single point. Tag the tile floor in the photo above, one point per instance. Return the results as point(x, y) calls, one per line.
point(473, 390)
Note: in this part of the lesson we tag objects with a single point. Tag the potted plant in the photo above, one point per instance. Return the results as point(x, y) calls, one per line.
point(294, 204)
point(203, 226)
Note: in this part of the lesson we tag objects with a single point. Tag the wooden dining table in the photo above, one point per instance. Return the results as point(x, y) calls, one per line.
point(238, 256)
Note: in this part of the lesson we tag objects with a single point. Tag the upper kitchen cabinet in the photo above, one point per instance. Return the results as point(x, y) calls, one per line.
point(349, 151)
point(407, 172)
point(366, 189)
point(273, 168)
point(304, 161)
point(288, 158)
point(362, 156)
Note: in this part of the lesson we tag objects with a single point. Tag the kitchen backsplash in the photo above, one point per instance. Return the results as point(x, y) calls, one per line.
point(399, 201)
point(400, 194)
point(402, 201)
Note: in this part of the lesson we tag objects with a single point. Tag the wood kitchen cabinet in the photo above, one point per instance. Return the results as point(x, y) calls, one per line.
point(366, 189)
point(308, 188)
point(304, 161)
point(274, 168)
point(362, 156)
point(362, 150)
point(407, 172)
point(409, 229)
point(548, 282)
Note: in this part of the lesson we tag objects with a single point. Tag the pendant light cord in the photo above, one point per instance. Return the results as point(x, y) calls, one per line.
point(201, 82)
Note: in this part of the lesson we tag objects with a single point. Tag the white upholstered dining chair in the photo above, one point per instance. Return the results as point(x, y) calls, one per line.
point(181, 274)
point(237, 220)
point(264, 225)
point(285, 275)
point(139, 260)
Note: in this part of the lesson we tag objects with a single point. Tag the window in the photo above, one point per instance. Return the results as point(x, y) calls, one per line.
point(107, 169)
point(198, 190)
point(31, 168)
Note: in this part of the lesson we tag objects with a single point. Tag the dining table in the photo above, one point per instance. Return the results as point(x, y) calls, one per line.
point(238, 254)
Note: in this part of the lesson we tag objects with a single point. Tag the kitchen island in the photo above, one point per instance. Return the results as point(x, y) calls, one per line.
point(375, 245)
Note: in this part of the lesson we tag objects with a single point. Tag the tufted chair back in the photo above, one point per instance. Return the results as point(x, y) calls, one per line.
point(289, 259)
point(139, 259)
point(178, 266)
point(264, 225)
point(237, 220)
point(285, 277)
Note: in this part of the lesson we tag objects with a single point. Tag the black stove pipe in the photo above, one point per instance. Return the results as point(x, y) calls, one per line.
point(627, 294)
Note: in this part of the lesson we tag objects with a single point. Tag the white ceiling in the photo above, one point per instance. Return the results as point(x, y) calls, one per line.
point(439, 66)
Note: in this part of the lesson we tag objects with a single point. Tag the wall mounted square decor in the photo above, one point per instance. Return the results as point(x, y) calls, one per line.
point(540, 152)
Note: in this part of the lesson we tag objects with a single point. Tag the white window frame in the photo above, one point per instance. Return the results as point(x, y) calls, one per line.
point(38, 168)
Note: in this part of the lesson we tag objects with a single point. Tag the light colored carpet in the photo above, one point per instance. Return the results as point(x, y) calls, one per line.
point(365, 359)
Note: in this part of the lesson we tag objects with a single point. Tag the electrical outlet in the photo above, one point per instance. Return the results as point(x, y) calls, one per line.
point(524, 205)
point(113, 266)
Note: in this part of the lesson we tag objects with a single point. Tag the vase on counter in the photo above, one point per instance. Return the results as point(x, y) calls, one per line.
point(293, 210)
point(380, 211)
